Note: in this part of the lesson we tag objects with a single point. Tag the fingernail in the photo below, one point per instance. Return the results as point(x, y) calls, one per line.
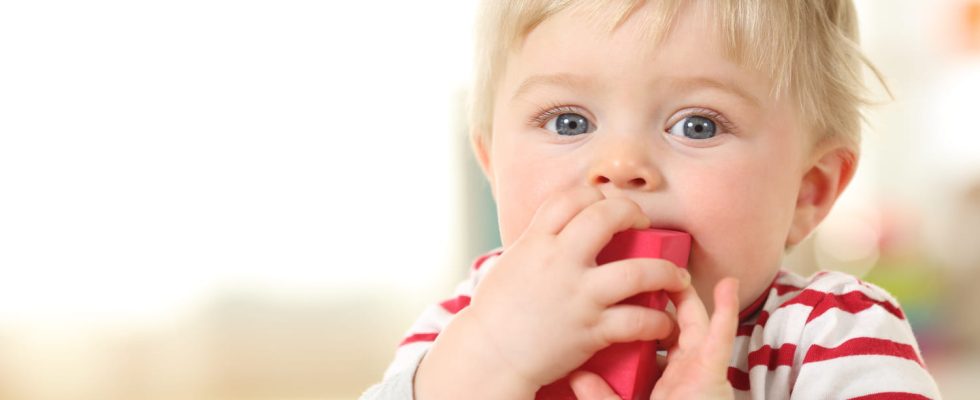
point(684, 275)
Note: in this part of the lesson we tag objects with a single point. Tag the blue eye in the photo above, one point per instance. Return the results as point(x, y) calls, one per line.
point(568, 124)
point(694, 127)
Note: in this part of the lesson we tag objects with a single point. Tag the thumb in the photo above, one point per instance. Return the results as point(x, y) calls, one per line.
point(724, 323)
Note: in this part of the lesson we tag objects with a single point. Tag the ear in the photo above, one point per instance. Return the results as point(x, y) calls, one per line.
point(820, 188)
point(481, 150)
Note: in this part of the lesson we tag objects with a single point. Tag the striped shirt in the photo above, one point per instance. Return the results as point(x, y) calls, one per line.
point(828, 336)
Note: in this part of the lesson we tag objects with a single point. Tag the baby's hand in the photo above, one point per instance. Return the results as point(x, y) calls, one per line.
point(544, 309)
point(697, 362)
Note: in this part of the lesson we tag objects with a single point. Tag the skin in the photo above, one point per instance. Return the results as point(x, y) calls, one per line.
point(760, 184)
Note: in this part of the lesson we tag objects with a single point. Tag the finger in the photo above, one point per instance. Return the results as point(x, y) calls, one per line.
point(591, 229)
point(692, 318)
point(618, 280)
point(552, 215)
point(627, 323)
point(724, 323)
point(669, 341)
point(589, 386)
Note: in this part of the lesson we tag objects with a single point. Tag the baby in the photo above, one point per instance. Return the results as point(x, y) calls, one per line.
point(736, 121)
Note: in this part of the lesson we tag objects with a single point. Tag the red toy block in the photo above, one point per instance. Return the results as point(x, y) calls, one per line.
point(630, 369)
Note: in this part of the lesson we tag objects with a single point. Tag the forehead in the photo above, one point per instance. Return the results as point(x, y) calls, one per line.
point(576, 47)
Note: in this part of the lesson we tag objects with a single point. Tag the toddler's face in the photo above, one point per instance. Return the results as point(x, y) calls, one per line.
point(680, 129)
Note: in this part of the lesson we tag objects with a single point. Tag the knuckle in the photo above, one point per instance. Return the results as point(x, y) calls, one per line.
point(660, 268)
point(559, 201)
point(550, 205)
point(628, 276)
point(598, 330)
point(624, 205)
point(636, 324)
point(611, 211)
point(588, 192)
point(622, 202)
point(572, 198)
point(609, 208)
point(638, 279)
point(601, 337)
point(593, 216)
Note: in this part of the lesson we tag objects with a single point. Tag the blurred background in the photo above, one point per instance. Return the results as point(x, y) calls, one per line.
point(254, 199)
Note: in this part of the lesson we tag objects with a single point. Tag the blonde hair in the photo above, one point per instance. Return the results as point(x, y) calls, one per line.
point(808, 47)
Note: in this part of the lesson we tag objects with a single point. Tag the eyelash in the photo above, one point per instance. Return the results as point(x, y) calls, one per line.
point(545, 114)
point(713, 115)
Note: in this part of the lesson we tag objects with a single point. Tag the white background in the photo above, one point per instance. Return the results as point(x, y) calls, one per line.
point(153, 151)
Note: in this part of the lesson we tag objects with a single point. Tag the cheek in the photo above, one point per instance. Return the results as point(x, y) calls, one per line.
point(745, 201)
point(728, 204)
point(524, 183)
point(739, 221)
point(739, 215)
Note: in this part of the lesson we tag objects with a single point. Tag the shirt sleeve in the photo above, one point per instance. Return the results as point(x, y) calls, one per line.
point(396, 386)
point(856, 343)
point(399, 376)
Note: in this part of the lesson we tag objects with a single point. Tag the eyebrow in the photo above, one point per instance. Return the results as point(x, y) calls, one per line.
point(687, 84)
point(560, 79)
point(676, 83)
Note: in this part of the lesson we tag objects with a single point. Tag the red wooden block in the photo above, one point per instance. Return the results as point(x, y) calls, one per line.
point(630, 369)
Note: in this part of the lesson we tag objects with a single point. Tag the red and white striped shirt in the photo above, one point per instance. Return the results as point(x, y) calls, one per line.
point(826, 336)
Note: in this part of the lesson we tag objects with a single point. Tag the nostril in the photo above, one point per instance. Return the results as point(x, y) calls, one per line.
point(638, 182)
point(601, 179)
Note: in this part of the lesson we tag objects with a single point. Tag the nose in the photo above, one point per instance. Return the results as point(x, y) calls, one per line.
point(625, 169)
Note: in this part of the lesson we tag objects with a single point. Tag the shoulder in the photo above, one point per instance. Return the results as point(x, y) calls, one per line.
point(832, 315)
point(828, 291)
point(835, 282)
point(828, 282)
point(829, 310)
point(848, 335)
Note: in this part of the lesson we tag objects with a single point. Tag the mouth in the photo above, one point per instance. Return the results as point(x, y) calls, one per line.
point(666, 225)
